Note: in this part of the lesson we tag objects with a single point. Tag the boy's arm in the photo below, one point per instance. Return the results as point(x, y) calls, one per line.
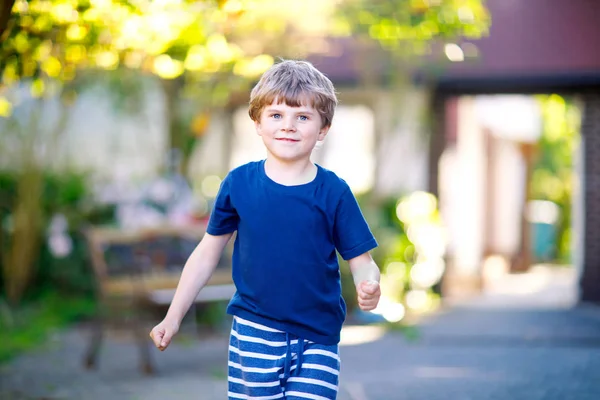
point(364, 269)
point(196, 272)
point(366, 279)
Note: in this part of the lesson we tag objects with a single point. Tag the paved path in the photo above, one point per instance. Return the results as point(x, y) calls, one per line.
point(471, 351)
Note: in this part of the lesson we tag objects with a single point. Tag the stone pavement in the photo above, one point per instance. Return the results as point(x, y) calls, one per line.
point(474, 350)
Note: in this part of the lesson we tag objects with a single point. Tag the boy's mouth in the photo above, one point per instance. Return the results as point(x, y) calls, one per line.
point(287, 140)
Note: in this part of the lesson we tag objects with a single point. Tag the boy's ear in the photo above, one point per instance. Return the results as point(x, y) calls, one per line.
point(257, 127)
point(323, 132)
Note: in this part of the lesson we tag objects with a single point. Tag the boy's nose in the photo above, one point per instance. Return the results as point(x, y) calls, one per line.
point(288, 125)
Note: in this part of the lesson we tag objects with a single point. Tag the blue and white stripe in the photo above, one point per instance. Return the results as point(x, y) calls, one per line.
point(266, 363)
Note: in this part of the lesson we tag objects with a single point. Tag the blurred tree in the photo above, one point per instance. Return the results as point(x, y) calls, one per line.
point(5, 10)
point(409, 27)
point(553, 175)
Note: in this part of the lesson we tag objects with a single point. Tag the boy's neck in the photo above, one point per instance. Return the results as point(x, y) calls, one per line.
point(290, 173)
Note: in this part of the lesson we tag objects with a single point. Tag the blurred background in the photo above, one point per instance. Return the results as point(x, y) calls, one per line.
point(467, 129)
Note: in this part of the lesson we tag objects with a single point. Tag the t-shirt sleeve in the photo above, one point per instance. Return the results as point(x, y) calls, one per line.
point(352, 236)
point(224, 217)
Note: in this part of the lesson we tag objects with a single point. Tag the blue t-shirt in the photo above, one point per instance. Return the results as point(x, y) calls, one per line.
point(285, 266)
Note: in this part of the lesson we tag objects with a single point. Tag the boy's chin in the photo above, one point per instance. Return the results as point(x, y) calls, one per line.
point(289, 157)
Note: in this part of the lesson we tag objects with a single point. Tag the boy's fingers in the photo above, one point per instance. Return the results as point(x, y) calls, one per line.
point(368, 295)
point(160, 339)
point(368, 300)
point(368, 306)
point(166, 340)
point(369, 287)
point(364, 296)
point(156, 337)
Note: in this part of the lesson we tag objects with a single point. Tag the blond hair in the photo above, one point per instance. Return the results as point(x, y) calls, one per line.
point(295, 83)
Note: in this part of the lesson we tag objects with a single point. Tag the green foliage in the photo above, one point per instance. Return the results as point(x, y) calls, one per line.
point(394, 244)
point(56, 38)
point(66, 194)
point(408, 27)
point(29, 326)
point(411, 249)
point(552, 177)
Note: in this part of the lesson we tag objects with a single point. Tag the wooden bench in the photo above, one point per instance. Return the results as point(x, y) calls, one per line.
point(138, 271)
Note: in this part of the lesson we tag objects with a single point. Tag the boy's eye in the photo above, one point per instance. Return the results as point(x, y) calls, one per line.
point(276, 116)
point(303, 118)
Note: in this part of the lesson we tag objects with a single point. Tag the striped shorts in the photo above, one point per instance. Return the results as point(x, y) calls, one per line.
point(266, 363)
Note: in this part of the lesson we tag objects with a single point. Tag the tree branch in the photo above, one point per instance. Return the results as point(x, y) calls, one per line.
point(5, 13)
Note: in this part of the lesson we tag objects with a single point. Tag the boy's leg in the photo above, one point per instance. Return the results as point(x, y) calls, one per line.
point(256, 359)
point(318, 376)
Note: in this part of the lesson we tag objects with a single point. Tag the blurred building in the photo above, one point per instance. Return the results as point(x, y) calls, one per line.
point(534, 46)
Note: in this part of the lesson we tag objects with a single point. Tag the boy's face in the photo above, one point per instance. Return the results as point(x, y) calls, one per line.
point(290, 133)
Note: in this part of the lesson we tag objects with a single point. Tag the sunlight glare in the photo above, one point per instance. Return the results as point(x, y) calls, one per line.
point(355, 335)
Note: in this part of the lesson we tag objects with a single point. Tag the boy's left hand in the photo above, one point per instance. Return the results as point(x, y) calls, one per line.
point(369, 293)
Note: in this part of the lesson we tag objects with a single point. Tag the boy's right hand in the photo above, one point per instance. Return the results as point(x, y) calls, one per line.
point(162, 333)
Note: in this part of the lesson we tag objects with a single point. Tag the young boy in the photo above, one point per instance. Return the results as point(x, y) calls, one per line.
point(290, 216)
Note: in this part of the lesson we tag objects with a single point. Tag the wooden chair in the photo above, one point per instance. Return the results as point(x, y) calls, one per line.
point(139, 271)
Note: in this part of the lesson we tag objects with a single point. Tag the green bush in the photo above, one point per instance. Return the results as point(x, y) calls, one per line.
point(67, 194)
point(62, 288)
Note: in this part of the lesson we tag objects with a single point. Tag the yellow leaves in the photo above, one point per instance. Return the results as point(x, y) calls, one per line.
point(166, 67)
point(64, 12)
point(134, 60)
point(548, 185)
point(390, 30)
point(29, 67)
point(211, 56)
point(251, 68)
point(38, 88)
point(107, 59)
point(131, 32)
point(91, 15)
point(419, 5)
point(26, 21)
point(465, 14)
point(102, 3)
point(220, 50)
point(366, 18)
point(10, 74)
point(196, 58)
point(43, 23)
point(76, 32)
point(43, 51)
point(39, 6)
point(5, 107)
point(341, 27)
point(233, 6)
point(52, 67)
point(75, 54)
point(554, 111)
point(561, 119)
point(21, 42)
point(146, 34)
point(21, 6)
point(426, 30)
